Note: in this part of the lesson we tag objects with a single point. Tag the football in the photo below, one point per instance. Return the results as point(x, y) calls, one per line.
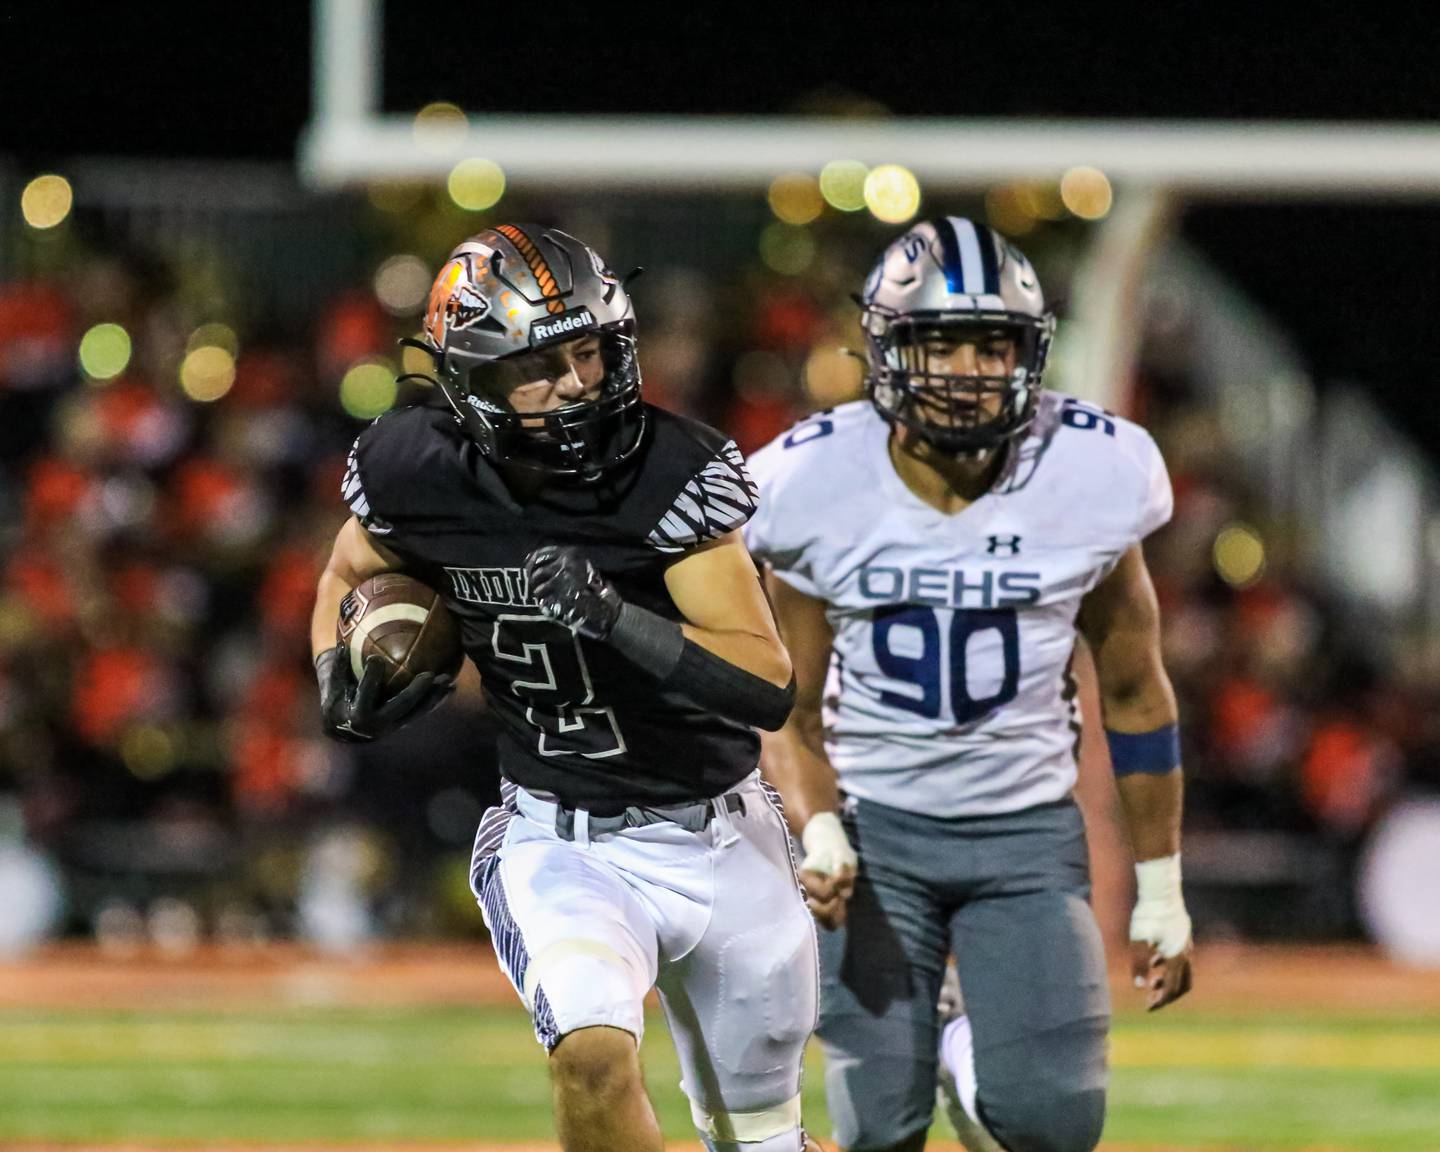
point(405, 623)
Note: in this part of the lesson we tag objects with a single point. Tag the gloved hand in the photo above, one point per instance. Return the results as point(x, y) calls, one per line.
point(352, 711)
point(567, 588)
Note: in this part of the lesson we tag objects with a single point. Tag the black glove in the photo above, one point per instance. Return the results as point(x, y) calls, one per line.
point(567, 588)
point(353, 711)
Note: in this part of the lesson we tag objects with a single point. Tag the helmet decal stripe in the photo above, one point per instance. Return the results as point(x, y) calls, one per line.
point(544, 278)
point(950, 247)
point(987, 259)
point(970, 260)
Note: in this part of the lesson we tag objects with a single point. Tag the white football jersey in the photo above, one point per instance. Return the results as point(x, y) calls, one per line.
point(950, 689)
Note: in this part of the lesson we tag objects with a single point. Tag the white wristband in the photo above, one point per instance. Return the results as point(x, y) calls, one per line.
point(827, 848)
point(1160, 918)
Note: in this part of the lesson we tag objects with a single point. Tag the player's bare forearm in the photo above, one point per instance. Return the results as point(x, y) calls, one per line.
point(355, 557)
point(1153, 806)
point(794, 761)
point(1152, 803)
point(331, 589)
point(1121, 622)
point(724, 609)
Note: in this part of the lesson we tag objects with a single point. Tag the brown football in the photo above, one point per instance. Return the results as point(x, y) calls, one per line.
point(405, 623)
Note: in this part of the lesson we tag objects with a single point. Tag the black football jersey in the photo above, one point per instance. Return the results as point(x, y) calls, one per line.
point(577, 719)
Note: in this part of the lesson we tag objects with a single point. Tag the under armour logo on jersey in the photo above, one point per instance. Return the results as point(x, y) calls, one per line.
point(1003, 545)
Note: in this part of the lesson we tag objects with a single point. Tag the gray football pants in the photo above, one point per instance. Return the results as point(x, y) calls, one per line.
point(1008, 895)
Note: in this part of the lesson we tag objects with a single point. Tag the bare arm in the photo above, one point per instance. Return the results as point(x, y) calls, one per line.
point(795, 760)
point(355, 558)
point(725, 610)
point(1120, 620)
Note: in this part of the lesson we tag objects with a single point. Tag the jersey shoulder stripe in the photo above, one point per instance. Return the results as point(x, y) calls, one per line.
point(352, 491)
point(717, 500)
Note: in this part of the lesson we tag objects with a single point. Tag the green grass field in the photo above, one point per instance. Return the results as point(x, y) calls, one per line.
point(1184, 1080)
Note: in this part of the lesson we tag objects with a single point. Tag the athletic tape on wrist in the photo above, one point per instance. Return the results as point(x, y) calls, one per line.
point(827, 848)
point(1158, 881)
point(1159, 918)
point(1150, 753)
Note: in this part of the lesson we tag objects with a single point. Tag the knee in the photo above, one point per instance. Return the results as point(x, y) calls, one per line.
point(1056, 1121)
point(586, 984)
point(596, 1063)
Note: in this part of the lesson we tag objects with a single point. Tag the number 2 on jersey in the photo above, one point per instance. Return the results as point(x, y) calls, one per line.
point(921, 664)
point(550, 675)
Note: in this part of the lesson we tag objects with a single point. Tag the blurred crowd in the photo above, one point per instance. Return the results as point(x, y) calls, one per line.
point(164, 523)
point(1303, 719)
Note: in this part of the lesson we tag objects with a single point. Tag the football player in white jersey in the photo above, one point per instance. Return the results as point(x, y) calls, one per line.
point(932, 553)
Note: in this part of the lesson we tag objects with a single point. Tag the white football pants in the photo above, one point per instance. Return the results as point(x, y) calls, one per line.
point(714, 920)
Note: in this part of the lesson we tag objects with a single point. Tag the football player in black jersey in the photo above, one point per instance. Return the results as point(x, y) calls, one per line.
point(589, 546)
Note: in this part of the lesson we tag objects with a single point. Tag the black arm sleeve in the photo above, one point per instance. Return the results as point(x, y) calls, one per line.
point(659, 647)
point(731, 691)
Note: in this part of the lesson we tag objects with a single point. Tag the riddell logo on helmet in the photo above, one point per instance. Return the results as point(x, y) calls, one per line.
point(548, 329)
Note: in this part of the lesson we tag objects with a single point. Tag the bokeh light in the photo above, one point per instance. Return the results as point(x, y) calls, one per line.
point(402, 284)
point(207, 372)
point(795, 198)
point(832, 375)
point(440, 124)
point(368, 389)
point(1239, 555)
point(892, 193)
point(476, 184)
point(1086, 192)
point(148, 751)
point(105, 351)
point(842, 183)
point(786, 249)
point(1008, 211)
point(46, 201)
point(1042, 200)
point(214, 336)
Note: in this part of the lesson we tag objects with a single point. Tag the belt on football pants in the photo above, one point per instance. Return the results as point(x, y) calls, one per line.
point(693, 817)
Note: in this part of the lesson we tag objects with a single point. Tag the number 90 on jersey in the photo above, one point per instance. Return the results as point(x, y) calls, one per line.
point(952, 664)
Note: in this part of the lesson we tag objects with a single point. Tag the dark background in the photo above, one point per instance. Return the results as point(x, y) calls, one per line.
point(1353, 280)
